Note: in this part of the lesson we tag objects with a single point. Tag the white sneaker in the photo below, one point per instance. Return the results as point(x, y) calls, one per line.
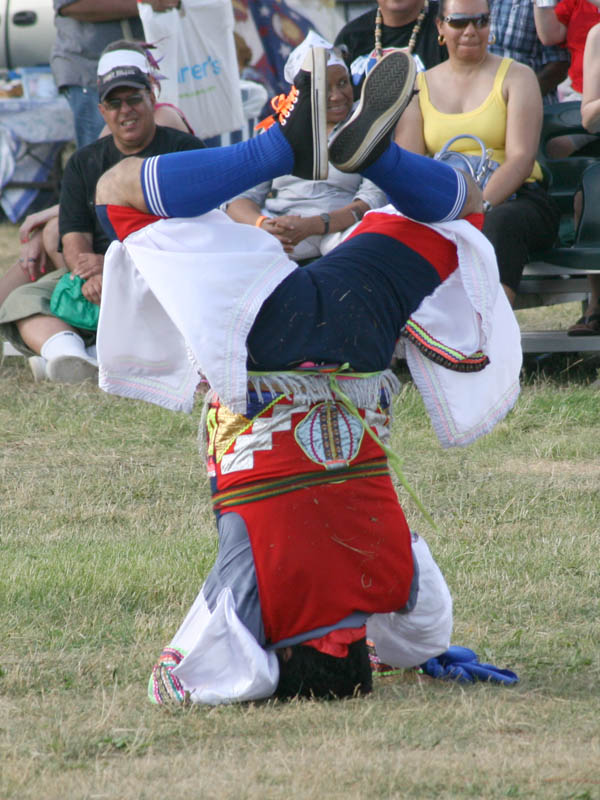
point(9, 350)
point(71, 369)
point(38, 368)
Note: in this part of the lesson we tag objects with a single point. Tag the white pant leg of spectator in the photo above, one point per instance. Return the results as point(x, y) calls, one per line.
point(407, 640)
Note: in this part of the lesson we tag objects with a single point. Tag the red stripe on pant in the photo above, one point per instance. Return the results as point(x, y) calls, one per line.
point(428, 243)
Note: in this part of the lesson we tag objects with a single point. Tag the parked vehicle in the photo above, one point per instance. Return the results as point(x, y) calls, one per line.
point(26, 32)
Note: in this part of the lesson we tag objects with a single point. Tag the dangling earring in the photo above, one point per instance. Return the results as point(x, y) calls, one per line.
point(492, 38)
point(441, 39)
point(378, 21)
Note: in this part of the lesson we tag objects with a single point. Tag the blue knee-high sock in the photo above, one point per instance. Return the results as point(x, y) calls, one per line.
point(421, 188)
point(189, 183)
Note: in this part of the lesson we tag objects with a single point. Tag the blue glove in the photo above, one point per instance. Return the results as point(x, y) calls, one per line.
point(462, 665)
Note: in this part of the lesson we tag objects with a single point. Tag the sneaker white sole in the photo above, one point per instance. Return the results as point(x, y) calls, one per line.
point(386, 92)
point(71, 369)
point(315, 62)
point(37, 365)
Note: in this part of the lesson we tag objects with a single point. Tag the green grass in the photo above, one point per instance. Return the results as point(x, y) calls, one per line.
point(106, 533)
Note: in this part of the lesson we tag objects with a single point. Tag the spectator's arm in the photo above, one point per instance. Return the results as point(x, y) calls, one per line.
point(551, 74)
point(169, 118)
point(409, 130)
point(94, 11)
point(344, 217)
point(79, 255)
point(524, 114)
point(370, 194)
point(32, 257)
point(549, 29)
point(242, 209)
point(76, 215)
point(474, 202)
point(162, 5)
point(257, 195)
point(292, 229)
point(92, 289)
point(590, 103)
point(35, 221)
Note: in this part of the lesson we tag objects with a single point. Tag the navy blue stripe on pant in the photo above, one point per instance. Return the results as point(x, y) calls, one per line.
point(348, 306)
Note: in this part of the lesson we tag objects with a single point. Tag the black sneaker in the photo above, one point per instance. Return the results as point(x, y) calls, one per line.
point(386, 92)
point(302, 111)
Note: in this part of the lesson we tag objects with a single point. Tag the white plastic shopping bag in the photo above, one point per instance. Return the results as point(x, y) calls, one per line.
point(197, 56)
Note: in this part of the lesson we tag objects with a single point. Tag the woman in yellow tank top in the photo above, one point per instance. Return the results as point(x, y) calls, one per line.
point(498, 100)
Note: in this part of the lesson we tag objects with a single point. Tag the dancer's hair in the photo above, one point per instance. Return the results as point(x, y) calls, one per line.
point(310, 673)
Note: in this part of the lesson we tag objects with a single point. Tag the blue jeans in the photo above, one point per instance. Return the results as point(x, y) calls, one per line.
point(83, 101)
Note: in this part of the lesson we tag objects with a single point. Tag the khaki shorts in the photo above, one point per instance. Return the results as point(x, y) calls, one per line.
point(28, 300)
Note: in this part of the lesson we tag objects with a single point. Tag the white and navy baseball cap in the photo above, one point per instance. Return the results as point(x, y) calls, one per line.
point(122, 68)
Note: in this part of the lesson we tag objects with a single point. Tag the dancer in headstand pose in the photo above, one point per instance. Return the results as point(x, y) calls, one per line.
point(314, 550)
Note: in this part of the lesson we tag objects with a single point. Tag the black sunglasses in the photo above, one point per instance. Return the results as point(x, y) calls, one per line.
point(115, 103)
point(463, 20)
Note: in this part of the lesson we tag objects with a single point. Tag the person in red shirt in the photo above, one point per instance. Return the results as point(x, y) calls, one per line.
point(568, 23)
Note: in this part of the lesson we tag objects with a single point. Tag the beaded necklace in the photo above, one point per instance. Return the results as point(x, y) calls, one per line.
point(413, 34)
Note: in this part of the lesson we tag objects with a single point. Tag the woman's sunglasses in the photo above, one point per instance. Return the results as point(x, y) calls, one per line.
point(463, 20)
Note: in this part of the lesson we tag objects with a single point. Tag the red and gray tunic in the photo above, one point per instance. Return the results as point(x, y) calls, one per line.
point(311, 534)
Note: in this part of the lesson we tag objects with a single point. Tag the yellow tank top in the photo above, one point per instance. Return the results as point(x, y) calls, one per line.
point(487, 121)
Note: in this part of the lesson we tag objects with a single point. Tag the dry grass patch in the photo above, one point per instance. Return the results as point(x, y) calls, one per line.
point(549, 317)
point(403, 742)
point(557, 471)
point(9, 245)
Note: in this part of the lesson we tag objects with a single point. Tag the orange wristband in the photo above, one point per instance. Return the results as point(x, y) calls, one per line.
point(260, 220)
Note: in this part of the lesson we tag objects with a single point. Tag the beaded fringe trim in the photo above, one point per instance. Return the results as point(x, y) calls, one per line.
point(165, 688)
point(442, 354)
point(364, 390)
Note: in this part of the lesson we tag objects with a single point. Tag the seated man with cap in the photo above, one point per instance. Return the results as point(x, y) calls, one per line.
point(127, 106)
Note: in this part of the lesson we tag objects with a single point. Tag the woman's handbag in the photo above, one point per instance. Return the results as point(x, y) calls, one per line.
point(69, 304)
point(480, 167)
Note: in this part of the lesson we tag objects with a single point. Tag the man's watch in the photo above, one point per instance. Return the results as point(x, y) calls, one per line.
point(487, 206)
point(326, 219)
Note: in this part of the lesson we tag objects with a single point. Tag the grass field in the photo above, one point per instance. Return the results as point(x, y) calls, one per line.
point(106, 534)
